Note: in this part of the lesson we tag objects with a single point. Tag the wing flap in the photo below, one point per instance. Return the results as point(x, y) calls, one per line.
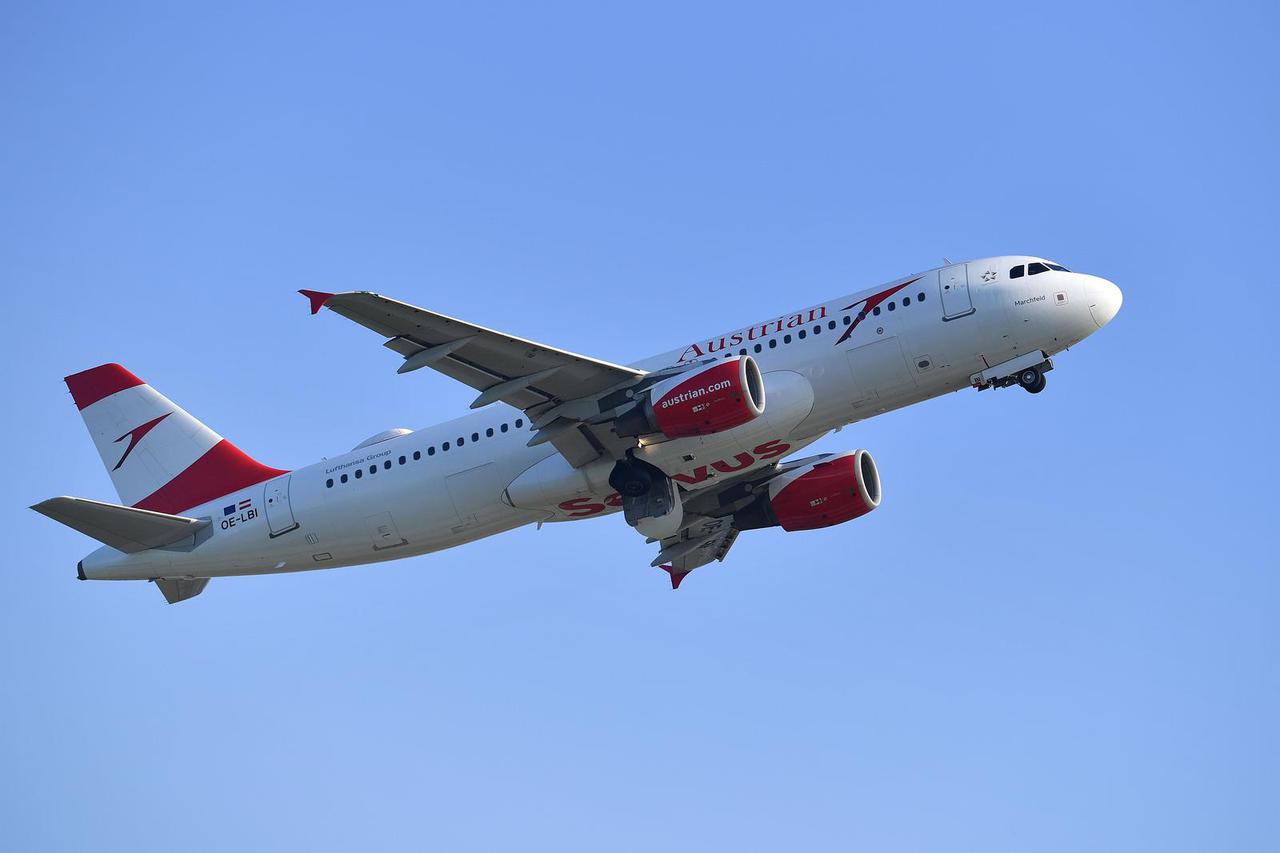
point(709, 532)
point(705, 540)
point(490, 361)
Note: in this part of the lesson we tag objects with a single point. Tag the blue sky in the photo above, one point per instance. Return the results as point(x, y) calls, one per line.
point(1057, 633)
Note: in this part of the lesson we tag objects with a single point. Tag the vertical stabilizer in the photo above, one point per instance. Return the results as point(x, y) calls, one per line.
point(159, 457)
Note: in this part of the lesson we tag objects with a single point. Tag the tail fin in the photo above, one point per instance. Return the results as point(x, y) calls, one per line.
point(159, 457)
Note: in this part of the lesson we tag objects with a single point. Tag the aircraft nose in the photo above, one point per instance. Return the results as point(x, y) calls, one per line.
point(1104, 300)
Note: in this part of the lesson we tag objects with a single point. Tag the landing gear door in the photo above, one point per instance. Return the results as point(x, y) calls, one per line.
point(279, 512)
point(953, 286)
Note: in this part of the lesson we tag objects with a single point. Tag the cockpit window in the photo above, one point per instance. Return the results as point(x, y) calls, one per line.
point(1036, 268)
point(1058, 267)
point(1017, 271)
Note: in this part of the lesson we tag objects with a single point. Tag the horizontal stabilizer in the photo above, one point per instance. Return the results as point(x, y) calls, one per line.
point(122, 527)
point(180, 589)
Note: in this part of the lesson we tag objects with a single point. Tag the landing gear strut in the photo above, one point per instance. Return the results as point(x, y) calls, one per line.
point(1032, 380)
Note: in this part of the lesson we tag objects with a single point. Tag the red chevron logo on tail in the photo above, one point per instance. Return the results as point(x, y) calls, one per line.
point(135, 435)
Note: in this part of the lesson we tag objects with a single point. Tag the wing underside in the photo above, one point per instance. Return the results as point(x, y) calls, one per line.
point(710, 530)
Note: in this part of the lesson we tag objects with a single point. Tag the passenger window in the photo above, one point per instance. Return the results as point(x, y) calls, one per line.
point(1036, 268)
point(1017, 271)
point(800, 334)
point(847, 320)
point(387, 465)
point(431, 451)
point(920, 296)
point(475, 436)
point(402, 460)
point(343, 478)
point(773, 343)
point(906, 300)
point(328, 484)
point(891, 306)
point(488, 433)
point(519, 423)
point(758, 348)
point(359, 473)
point(417, 454)
point(876, 310)
point(817, 330)
point(373, 469)
point(444, 446)
point(786, 339)
point(503, 427)
point(831, 325)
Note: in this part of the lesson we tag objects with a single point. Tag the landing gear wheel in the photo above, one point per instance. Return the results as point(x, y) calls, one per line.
point(630, 480)
point(1032, 380)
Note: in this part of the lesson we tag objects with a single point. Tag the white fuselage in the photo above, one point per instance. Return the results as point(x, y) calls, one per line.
point(409, 495)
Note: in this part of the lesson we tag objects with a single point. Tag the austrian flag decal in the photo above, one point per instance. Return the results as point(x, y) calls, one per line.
point(238, 513)
point(231, 510)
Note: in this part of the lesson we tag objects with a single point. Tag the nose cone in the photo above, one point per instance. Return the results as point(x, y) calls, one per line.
point(1104, 300)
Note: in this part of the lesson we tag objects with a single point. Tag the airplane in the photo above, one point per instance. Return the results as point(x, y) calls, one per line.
point(693, 446)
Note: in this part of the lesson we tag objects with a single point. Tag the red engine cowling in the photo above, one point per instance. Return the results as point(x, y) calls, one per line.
point(703, 401)
point(825, 493)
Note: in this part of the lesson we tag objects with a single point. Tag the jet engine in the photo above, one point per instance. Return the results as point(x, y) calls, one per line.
point(820, 494)
point(702, 401)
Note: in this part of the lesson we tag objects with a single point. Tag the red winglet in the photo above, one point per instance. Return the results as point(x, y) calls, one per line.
point(676, 578)
point(318, 299)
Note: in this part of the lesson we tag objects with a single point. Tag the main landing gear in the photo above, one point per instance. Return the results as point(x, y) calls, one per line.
point(632, 478)
point(1031, 380)
point(650, 499)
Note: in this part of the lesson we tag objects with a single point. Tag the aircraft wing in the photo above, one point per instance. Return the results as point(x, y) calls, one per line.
point(531, 376)
point(703, 541)
point(709, 531)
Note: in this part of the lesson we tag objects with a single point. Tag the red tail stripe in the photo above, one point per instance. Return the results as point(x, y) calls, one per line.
point(222, 470)
point(90, 386)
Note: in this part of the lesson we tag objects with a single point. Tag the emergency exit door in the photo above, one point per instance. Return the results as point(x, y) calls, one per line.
point(279, 513)
point(953, 287)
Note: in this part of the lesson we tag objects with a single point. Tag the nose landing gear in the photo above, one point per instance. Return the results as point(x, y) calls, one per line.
point(1027, 370)
point(1031, 380)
